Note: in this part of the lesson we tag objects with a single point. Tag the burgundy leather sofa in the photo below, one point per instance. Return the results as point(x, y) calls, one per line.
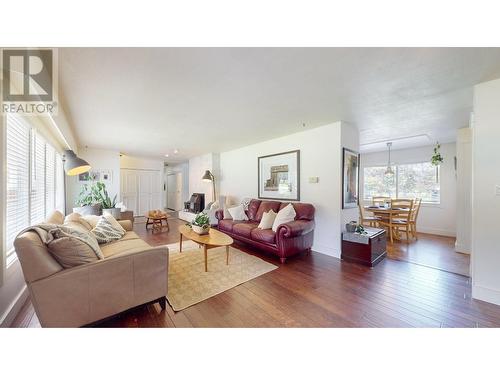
point(289, 239)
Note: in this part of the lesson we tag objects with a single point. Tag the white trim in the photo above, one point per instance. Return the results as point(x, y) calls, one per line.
point(486, 294)
point(14, 308)
point(439, 232)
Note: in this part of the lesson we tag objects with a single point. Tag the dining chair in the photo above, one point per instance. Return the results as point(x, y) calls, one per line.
point(399, 216)
point(414, 216)
point(368, 220)
point(376, 201)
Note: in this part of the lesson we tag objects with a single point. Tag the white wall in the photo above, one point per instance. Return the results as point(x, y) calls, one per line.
point(485, 193)
point(99, 160)
point(320, 156)
point(436, 219)
point(197, 167)
point(463, 243)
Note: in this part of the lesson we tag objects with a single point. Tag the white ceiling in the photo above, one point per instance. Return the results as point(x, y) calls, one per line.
point(150, 101)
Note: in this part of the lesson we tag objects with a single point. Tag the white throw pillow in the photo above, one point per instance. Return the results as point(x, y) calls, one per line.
point(104, 232)
point(284, 216)
point(91, 219)
point(227, 215)
point(114, 223)
point(238, 213)
point(267, 220)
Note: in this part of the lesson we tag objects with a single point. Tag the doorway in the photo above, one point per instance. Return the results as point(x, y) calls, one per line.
point(141, 190)
point(174, 191)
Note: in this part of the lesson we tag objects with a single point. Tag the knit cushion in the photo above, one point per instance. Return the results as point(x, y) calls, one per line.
point(104, 231)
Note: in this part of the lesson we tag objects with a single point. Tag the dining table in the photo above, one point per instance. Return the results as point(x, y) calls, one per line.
point(386, 212)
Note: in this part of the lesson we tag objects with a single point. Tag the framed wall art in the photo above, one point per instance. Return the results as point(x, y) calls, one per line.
point(279, 176)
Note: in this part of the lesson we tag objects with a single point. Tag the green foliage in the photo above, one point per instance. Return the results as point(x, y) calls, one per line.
point(437, 159)
point(360, 229)
point(201, 220)
point(95, 193)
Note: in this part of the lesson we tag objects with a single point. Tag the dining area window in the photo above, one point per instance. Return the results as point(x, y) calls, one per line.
point(415, 180)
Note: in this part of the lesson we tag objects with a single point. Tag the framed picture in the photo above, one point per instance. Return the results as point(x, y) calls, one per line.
point(350, 179)
point(88, 176)
point(106, 176)
point(279, 176)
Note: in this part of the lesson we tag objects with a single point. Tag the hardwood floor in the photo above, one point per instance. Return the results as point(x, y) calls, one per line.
point(432, 251)
point(320, 291)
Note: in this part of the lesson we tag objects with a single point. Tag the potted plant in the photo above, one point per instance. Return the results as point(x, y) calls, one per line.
point(436, 158)
point(200, 224)
point(105, 201)
point(87, 201)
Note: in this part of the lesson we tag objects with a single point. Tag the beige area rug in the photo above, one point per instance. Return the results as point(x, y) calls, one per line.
point(188, 283)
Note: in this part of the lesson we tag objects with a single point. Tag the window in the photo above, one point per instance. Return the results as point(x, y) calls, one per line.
point(418, 180)
point(35, 180)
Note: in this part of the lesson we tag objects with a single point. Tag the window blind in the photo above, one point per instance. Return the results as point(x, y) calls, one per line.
point(60, 198)
point(18, 169)
point(37, 207)
point(50, 179)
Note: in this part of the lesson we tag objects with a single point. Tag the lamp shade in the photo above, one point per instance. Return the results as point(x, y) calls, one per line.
point(208, 176)
point(73, 165)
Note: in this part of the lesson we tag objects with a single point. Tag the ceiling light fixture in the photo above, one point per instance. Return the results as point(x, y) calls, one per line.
point(389, 171)
point(166, 155)
point(176, 151)
point(73, 165)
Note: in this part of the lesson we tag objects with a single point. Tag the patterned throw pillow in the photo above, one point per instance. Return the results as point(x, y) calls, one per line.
point(104, 231)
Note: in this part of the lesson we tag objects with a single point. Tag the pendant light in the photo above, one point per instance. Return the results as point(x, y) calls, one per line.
point(389, 171)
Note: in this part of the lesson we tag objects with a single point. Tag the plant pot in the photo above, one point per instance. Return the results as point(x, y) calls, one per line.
point(115, 212)
point(88, 210)
point(199, 230)
point(351, 227)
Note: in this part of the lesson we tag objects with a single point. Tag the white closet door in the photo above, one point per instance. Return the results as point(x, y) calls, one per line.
point(145, 190)
point(129, 189)
point(156, 190)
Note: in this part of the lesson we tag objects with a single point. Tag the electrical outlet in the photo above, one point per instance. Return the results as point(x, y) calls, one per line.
point(313, 180)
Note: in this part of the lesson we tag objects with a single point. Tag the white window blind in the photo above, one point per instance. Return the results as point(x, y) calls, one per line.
point(50, 179)
point(37, 207)
point(18, 159)
point(35, 180)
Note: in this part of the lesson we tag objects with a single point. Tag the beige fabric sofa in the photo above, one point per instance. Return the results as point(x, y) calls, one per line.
point(131, 274)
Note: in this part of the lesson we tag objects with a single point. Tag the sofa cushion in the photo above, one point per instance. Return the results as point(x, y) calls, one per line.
point(120, 246)
point(253, 207)
point(267, 206)
point(55, 217)
point(71, 252)
point(75, 217)
point(227, 225)
point(244, 229)
point(263, 235)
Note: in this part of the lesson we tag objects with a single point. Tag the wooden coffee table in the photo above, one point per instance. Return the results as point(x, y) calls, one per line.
point(214, 238)
point(157, 222)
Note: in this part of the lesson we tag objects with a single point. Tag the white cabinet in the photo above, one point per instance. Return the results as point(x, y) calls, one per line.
point(141, 190)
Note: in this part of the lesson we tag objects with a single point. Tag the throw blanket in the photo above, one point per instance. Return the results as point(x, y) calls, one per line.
point(50, 232)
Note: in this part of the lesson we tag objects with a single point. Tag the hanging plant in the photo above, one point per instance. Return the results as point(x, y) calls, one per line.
point(437, 159)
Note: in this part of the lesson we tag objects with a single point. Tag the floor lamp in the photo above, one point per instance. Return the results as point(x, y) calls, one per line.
point(208, 176)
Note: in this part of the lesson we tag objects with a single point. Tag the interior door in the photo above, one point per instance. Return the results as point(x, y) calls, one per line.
point(174, 189)
point(145, 188)
point(129, 189)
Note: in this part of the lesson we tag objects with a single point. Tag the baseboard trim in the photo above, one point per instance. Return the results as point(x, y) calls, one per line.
point(438, 232)
point(486, 294)
point(14, 308)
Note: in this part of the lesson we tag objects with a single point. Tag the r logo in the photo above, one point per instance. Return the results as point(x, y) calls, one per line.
point(27, 75)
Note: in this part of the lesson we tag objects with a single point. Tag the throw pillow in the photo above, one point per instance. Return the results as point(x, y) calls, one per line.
point(55, 217)
point(267, 220)
point(91, 219)
point(71, 252)
point(115, 223)
point(227, 214)
point(284, 216)
point(104, 232)
point(238, 213)
point(75, 217)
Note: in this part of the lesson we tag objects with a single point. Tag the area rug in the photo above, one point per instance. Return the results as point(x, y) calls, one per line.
point(188, 283)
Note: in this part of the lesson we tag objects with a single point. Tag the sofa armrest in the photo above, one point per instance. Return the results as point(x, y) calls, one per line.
point(96, 290)
point(295, 228)
point(219, 214)
point(126, 224)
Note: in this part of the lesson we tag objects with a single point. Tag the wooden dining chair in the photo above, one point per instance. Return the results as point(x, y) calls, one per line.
point(399, 217)
point(367, 220)
point(377, 201)
point(414, 216)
